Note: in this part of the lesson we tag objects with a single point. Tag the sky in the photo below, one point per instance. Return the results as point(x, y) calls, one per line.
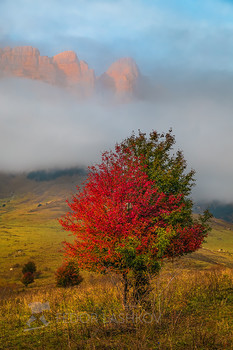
point(184, 47)
point(183, 33)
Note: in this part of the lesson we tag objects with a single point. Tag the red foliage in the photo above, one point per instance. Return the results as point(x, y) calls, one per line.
point(68, 274)
point(118, 202)
point(27, 278)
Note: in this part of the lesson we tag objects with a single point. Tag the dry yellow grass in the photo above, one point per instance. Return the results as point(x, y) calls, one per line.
point(186, 310)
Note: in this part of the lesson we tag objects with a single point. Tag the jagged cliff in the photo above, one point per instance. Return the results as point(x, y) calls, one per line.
point(65, 69)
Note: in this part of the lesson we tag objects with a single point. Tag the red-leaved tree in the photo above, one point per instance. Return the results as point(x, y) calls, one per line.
point(121, 222)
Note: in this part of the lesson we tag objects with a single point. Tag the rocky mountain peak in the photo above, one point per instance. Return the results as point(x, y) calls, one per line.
point(124, 74)
point(66, 57)
point(65, 69)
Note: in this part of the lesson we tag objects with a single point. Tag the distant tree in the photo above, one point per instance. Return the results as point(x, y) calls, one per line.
point(133, 212)
point(68, 274)
point(29, 267)
point(27, 278)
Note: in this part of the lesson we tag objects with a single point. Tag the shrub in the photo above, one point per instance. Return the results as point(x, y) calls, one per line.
point(29, 267)
point(68, 274)
point(27, 278)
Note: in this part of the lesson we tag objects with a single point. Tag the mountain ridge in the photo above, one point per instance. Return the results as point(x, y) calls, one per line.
point(67, 70)
point(64, 180)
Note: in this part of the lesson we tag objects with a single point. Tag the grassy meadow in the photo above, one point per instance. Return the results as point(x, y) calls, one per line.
point(186, 310)
point(190, 306)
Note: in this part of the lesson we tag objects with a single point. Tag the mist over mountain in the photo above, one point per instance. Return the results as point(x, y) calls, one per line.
point(62, 184)
point(56, 113)
point(43, 126)
point(219, 209)
point(66, 70)
point(49, 175)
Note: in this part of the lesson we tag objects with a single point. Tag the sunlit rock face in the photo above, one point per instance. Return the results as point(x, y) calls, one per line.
point(26, 62)
point(20, 61)
point(74, 73)
point(65, 69)
point(124, 74)
point(68, 63)
point(47, 71)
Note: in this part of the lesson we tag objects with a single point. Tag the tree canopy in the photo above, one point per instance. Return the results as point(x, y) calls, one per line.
point(133, 210)
point(168, 170)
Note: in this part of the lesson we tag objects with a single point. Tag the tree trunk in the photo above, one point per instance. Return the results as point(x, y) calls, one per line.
point(141, 287)
point(126, 289)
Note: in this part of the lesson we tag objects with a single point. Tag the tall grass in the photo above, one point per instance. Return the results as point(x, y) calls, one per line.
point(186, 310)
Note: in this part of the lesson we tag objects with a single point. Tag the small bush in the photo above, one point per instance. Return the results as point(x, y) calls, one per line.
point(29, 267)
point(27, 278)
point(68, 274)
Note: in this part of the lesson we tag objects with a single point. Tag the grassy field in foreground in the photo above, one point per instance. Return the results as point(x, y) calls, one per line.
point(190, 307)
point(186, 310)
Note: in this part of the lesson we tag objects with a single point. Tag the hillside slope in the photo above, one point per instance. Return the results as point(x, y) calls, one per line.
point(30, 207)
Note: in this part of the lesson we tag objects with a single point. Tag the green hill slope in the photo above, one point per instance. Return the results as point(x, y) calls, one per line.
point(29, 229)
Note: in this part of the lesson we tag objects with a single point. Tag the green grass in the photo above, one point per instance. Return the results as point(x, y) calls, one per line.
point(192, 298)
point(220, 240)
point(29, 232)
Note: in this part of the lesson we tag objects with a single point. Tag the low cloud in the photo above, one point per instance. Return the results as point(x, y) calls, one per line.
point(43, 127)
